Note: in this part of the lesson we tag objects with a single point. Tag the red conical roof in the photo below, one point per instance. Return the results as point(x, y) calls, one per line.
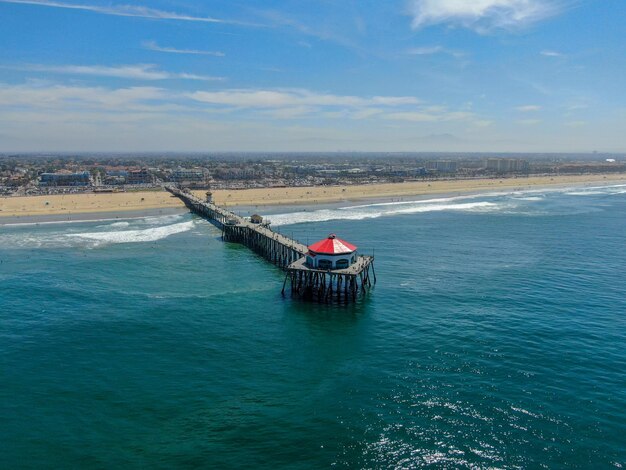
point(332, 246)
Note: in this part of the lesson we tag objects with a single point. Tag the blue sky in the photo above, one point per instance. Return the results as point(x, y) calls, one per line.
point(325, 75)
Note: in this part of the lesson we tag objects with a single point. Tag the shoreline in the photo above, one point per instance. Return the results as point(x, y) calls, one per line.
point(82, 217)
point(88, 206)
point(318, 195)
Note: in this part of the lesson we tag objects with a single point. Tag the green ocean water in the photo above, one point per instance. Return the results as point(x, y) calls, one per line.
point(495, 337)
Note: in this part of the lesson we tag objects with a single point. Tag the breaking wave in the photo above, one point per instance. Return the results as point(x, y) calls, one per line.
point(597, 191)
point(134, 236)
point(117, 225)
point(69, 236)
point(373, 211)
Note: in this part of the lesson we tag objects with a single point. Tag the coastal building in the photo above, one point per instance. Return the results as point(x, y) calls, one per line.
point(82, 178)
point(331, 253)
point(507, 165)
point(142, 176)
point(256, 219)
point(190, 176)
point(116, 177)
point(443, 166)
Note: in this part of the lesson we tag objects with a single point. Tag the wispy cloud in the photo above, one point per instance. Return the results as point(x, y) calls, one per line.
point(305, 103)
point(41, 115)
point(432, 50)
point(280, 104)
point(281, 98)
point(529, 108)
point(72, 97)
point(323, 32)
point(129, 10)
point(481, 15)
point(153, 46)
point(134, 72)
point(421, 116)
point(548, 53)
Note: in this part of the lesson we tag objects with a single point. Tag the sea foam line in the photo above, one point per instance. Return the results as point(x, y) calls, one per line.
point(61, 222)
point(366, 212)
point(134, 236)
point(150, 219)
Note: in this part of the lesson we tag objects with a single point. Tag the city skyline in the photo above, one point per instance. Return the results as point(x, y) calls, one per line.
point(420, 75)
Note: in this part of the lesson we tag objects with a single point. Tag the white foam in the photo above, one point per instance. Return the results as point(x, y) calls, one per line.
point(162, 219)
point(374, 211)
point(416, 201)
point(466, 207)
point(119, 224)
point(596, 190)
point(587, 193)
point(133, 236)
point(64, 222)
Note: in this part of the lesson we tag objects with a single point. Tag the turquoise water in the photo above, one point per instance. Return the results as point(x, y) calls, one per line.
point(495, 337)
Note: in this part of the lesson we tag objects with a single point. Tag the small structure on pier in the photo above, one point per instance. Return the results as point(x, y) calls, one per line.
point(256, 219)
point(209, 197)
point(331, 253)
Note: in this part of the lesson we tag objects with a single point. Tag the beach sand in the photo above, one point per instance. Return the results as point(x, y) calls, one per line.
point(87, 203)
point(148, 200)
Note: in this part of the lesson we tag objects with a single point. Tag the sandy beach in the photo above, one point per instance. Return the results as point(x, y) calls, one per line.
point(87, 203)
point(148, 200)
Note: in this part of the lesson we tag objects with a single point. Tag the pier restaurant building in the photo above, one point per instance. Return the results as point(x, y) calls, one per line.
point(331, 253)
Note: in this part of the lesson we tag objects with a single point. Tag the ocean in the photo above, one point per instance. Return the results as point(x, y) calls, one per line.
point(495, 337)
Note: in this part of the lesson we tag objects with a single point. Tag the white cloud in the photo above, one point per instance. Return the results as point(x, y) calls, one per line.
point(424, 116)
point(529, 108)
point(127, 10)
point(480, 15)
point(248, 104)
point(547, 53)
point(153, 46)
point(366, 113)
point(394, 100)
point(432, 50)
point(290, 112)
point(283, 98)
point(74, 97)
point(134, 72)
point(426, 50)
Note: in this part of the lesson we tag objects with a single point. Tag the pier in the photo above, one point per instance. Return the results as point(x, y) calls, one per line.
point(322, 285)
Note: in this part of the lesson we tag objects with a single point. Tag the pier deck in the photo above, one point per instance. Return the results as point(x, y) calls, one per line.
point(322, 285)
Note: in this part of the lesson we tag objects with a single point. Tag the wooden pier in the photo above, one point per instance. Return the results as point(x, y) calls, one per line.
point(336, 285)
